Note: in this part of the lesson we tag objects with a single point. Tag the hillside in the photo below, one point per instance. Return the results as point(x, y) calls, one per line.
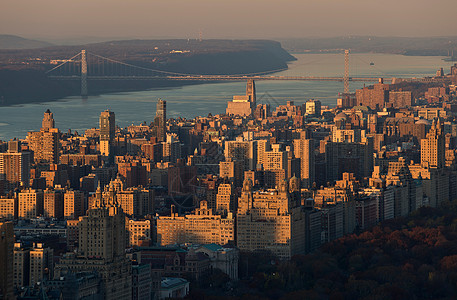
point(16, 42)
point(26, 68)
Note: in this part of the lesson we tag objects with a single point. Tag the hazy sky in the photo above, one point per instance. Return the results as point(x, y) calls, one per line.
point(227, 18)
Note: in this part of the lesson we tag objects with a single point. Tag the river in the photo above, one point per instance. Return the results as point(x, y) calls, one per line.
point(199, 100)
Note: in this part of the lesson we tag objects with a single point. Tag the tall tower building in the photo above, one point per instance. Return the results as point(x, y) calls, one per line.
point(160, 120)
point(102, 243)
point(21, 266)
point(304, 149)
point(6, 260)
point(48, 121)
point(107, 132)
point(433, 147)
point(15, 166)
point(45, 143)
point(243, 105)
point(250, 91)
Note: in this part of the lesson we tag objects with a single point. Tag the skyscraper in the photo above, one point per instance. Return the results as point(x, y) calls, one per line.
point(15, 165)
point(102, 243)
point(243, 105)
point(107, 131)
point(45, 143)
point(304, 149)
point(48, 121)
point(160, 120)
point(433, 147)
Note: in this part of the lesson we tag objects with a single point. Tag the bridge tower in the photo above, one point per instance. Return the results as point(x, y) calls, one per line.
point(83, 73)
point(346, 72)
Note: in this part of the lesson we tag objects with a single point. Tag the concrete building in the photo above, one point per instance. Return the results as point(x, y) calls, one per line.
point(45, 143)
point(141, 282)
point(8, 208)
point(304, 150)
point(232, 170)
point(41, 263)
point(30, 204)
point(160, 120)
point(53, 203)
point(21, 266)
point(73, 206)
point(15, 166)
point(244, 151)
point(375, 96)
point(400, 99)
point(225, 199)
point(201, 227)
point(313, 108)
point(243, 105)
point(433, 147)
point(102, 243)
point(107, 132)
point(266, 220)
point(138, 230)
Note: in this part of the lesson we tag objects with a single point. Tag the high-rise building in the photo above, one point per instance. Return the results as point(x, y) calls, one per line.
point(107, 132)
point(304, 150)
point(171, 149)
point(15, 166)
point(201, 227)
point(30, 204)
point(102, 243)
point(45, 143)
point(244, 151)
point(433, 147)
point(41, 263)
point(6, 260)
point(275, 159)
point(313, 108)
point(232, 170)
point(21, 266)
point(375, 96)
point(267, 220)
point(53, 203)
point(73, 206)
point(400, 99)
point(48, 121)
point(8, 208)
point(138, 230)
point(160, 120)
point(141, 282)
point(243, 105)
point(225, 199)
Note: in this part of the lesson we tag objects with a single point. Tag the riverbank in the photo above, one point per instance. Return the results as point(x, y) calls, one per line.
point(23, 79)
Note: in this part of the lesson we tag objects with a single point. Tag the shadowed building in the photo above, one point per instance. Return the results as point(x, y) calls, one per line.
point(107, 131)
point(6, 260)
point(160, 120)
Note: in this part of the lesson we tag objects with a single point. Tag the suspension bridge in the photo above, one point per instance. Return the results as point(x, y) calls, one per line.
point(86, 66)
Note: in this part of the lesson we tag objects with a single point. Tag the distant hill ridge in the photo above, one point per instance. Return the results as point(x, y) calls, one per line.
point(8, 41)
